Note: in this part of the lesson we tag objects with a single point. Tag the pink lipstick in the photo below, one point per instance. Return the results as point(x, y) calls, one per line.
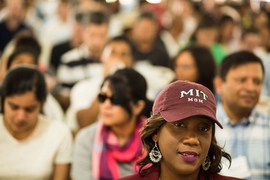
point(189, 156)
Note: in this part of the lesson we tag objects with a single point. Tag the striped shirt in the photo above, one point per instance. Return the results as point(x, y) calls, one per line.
point(249, 138)
point(76, 65)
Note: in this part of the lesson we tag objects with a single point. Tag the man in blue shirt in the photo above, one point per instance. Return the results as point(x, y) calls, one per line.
point(246, 134)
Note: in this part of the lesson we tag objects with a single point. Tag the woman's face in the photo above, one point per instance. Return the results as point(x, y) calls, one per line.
point(111, 114)
point(206, 37)
point(23, 58)
point(227, 29)
point(21, 112)
point(184, 145)
point(185, 67)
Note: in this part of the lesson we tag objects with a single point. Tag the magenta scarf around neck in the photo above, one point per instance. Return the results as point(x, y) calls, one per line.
point(106, 152)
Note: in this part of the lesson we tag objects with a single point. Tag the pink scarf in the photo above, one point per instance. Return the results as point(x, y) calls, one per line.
point(106, 152)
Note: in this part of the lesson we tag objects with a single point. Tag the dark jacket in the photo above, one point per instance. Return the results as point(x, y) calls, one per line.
point(153, 174)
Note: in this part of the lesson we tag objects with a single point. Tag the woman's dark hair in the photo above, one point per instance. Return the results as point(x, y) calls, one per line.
point(224, 19)
point(22, 50)
point(129, 85)
point(205, 63)
point(223, 22)
point(25, 43)
point(28, 41)
point(20, 80)
point(154, 124)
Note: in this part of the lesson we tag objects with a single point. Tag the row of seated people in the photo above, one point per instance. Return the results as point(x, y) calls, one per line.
point(33, 146)
point(83, 92)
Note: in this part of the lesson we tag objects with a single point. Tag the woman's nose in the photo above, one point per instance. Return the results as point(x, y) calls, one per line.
point(21, 114)
point(191, 139)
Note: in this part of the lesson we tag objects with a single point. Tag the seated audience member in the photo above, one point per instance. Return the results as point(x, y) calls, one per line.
point(246, 134)
point(250, 39)
point(23, 39)
point(261, 18)
point(206, 35)
point(180, 136)
point(31, 146)
point(172, 36)
point(12, 23)
point(77, 64)
point(109, 148)
point(188, 13)
point(227, 26)
point(56, 29)
point(195, 63)
point(264, 47)
point(83, 109)
point(22, 56)
point(61, 48)
point(147, 45)
point(28, 56)
point(83, 7)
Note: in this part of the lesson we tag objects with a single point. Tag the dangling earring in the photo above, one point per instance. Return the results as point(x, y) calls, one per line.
point(155, 154)
point(206, 164)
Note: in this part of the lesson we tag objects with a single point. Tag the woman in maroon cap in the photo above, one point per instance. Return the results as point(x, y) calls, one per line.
point(180, 136)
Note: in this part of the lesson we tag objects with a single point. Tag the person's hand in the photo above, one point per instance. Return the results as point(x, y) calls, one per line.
point(112, 65)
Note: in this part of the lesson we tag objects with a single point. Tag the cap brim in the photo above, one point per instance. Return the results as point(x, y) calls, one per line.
point(174, 115)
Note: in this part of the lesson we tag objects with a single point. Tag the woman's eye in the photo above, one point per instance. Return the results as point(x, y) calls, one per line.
point(179, 124)
point(13, 107)
point(205, 129)
point(29, 110)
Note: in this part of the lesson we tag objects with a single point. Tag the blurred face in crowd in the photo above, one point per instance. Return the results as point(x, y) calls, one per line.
point(117, 53)
point(64, 9)
point(185, 67)
point(251, 41)
point(226, 30)
point(261, 19)
point(184, 146)
point(95, 37)
point(241, 88)
point(180, 8)
point(206, 36)
point(265, 36)
point(23, 58)
point(20, 113)
point(15, 9)
point(208, 5)
point(144, 31)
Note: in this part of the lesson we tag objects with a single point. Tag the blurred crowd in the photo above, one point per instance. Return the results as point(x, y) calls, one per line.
point(77, 44)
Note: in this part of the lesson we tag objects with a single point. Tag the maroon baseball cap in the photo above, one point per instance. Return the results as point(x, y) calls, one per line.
point(183, 99)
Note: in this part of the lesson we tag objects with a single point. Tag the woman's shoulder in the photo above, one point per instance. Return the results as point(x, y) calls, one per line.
point(221, 177)
point(151, 173)
point(87, 133)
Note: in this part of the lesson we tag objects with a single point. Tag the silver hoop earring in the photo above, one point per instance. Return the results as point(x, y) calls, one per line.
point(155, 154)
point(206, 164)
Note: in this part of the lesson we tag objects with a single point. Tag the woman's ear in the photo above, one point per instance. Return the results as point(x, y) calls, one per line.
point(155, 137)
point(138, 107)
